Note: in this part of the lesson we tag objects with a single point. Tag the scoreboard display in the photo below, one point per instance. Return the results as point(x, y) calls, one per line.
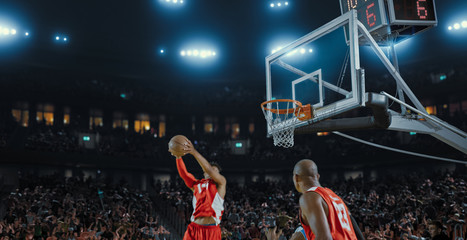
point(401, 18)
point(370, 12)
point(413, 12)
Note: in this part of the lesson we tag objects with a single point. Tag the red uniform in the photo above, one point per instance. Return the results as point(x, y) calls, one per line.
point(206, 203)
point(338, 216)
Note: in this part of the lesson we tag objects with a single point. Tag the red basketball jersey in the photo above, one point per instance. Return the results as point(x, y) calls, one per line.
point(206, 200)
point(338, 216)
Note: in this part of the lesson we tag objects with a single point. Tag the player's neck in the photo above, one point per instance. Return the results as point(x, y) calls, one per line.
point(310, 184)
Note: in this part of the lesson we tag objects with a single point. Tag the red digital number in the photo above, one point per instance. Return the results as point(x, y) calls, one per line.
point(370, 17)
point(422, 13)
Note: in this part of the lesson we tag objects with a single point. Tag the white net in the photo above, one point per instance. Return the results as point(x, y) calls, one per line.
point(282, 118)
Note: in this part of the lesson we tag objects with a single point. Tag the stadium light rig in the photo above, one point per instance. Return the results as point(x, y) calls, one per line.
point(172, 2)
point(458, 26)
point(198, 53)
point(60, 38)
point(6, 31)
point(278, 4)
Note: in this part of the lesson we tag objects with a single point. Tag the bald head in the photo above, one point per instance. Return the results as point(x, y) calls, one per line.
point(306, 167)
point(305, 175)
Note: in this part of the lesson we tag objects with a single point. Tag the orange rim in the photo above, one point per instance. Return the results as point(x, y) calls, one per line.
point(281, 111)
point(304, 112)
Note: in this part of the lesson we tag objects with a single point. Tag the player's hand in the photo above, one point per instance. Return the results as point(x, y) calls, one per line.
point(272, 234)
point(189, 148)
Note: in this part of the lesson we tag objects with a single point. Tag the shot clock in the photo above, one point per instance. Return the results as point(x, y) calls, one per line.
point(402, 19)
point(370, 12)
point(416, 12)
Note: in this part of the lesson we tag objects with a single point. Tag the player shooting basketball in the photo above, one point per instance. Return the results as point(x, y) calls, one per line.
point(323, 214)
point(208, 193)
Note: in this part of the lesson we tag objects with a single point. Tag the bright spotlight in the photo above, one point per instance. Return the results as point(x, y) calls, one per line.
point(302, 51)
point(13, 31)
point(65, 39)
point(162, 51)
point(200, 53)
point(181, 1)
point(272, 5)
point(464, 24)
point(310, 50)
point(450, 28)
point(457, 26)
point(279, 4)
point(57, 38)
point(6, 31)
point(286, 3)
point(175, 1)
point(26, 33)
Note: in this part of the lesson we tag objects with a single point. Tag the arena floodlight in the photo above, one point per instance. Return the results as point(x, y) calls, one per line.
point(65, 39)
point(457, 26)
point(13, 31)
point(278, 4)
point(6, 31)
point(302, 51)
point(272, 5)
point(57, 38)
point(26, 33)
point(450, 28)
point(198, 53)
point(286, 3)
point(162, 50)
point(464, 24)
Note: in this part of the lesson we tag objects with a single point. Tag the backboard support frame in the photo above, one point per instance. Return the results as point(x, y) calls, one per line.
point(399, 122)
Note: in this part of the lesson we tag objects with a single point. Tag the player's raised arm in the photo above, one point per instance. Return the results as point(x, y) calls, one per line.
point(187, 177)
point(207, 168)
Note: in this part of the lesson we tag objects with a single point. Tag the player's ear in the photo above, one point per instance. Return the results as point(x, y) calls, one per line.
point(318, 176)
point(295, 177)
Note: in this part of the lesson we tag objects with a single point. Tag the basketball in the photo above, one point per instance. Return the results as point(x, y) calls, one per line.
point(176, 145)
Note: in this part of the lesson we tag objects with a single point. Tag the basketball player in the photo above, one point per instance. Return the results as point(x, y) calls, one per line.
point(323, 214)
point(208, 197)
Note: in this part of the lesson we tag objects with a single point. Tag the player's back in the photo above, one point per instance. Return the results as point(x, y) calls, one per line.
point(338, 216)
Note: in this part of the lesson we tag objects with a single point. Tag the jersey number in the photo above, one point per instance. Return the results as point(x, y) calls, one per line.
point(342, 215)
point(204, 185)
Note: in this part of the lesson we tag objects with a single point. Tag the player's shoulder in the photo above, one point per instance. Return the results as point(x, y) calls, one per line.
point(310, 197)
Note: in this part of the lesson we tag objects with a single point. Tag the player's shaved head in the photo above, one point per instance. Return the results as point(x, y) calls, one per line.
point(305, 175)
point(306, 167)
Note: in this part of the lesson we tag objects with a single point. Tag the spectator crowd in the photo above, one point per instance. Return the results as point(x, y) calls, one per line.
point(53, 207)
point(396, 207)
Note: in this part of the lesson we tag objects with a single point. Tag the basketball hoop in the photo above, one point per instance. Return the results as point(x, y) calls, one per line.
point(282, 116)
